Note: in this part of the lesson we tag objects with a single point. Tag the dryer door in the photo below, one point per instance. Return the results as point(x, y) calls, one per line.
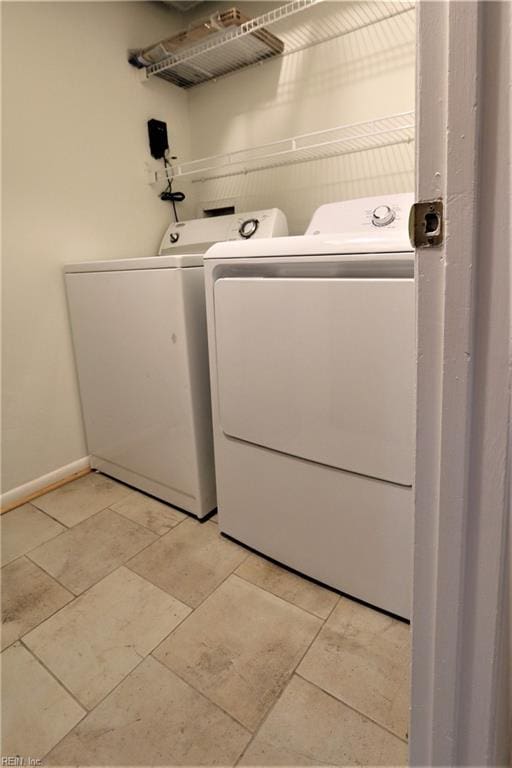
point(320, 368)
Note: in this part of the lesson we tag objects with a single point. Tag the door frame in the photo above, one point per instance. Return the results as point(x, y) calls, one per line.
point(460, 681)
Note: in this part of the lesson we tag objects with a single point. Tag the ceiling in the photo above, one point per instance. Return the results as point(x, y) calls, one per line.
point(182, 5)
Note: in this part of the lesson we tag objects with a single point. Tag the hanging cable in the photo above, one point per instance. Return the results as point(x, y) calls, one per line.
point(168, 194)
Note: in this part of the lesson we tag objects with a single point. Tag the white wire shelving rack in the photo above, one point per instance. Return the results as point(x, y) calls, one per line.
point(299, 24)
point(332, 142)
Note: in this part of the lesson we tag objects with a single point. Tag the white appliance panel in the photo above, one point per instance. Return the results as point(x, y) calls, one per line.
point(382, 219)
point(347, 227)
point(198, 234)
point(351, 532)
point(129, 327)
point(321, 369)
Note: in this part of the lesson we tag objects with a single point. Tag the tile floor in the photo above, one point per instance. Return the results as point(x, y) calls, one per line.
point(134, 635)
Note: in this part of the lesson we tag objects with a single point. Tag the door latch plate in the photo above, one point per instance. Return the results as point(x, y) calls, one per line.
point(426, 225)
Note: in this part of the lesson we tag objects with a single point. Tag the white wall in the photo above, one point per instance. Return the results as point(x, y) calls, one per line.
point(74, 147)
point(360, 76)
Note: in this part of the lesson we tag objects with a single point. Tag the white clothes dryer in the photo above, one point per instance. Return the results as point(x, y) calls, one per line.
point(139, 335)
point(312, 363)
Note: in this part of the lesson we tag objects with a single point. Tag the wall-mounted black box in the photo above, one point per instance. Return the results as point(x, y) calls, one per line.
point(158, 143)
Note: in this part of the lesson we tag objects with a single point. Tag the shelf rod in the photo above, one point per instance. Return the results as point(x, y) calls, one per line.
point(297, 161)
point(360, 131)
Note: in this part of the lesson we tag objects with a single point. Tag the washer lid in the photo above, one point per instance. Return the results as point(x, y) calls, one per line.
point(148, 262)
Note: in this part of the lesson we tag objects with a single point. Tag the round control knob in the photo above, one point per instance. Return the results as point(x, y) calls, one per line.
point(248, 228)
point(382, 215)
point(174, 237)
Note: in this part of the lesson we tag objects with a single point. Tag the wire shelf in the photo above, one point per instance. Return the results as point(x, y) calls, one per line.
point(341, 140)
point(314, 21)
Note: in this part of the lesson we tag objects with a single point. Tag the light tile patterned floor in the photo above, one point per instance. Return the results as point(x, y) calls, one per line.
point(134, 635)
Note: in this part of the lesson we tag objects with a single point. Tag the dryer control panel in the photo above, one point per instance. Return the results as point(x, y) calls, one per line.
point(383, 215)
point(389, 214)
point(197, 235)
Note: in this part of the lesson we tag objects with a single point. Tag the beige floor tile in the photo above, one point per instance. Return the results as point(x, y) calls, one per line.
point(86, 553)
point(361, 656)
point(190, 561)
point(240, 647)
point(29, 596)
point(309, 727)
point(74, 502)
point(301, 592)
point(23, 529)
point(36, 711)
point(153, 718)
point(149, 512)
point(93, 643)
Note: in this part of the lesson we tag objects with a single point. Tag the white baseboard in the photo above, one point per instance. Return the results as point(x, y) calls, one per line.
point(9, 498)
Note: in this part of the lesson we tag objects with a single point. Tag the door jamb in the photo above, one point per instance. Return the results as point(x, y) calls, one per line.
point(463, 404)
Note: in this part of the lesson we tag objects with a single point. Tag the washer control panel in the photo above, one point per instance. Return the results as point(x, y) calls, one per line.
point(199, 234)
point(269, 223)
point(248, 227)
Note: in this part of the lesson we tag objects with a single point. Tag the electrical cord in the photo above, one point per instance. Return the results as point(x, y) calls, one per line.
point(168, 194)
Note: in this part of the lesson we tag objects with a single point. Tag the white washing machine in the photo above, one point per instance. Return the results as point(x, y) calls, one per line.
point(139, 334)
point(312, 363)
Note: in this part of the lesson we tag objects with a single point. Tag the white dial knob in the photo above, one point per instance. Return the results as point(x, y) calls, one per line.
point(382, 215)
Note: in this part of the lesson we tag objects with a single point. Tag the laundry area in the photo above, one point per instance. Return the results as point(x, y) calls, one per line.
point(209, 397)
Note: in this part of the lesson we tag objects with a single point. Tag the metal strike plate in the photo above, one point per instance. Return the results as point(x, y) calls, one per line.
point(426, 224)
